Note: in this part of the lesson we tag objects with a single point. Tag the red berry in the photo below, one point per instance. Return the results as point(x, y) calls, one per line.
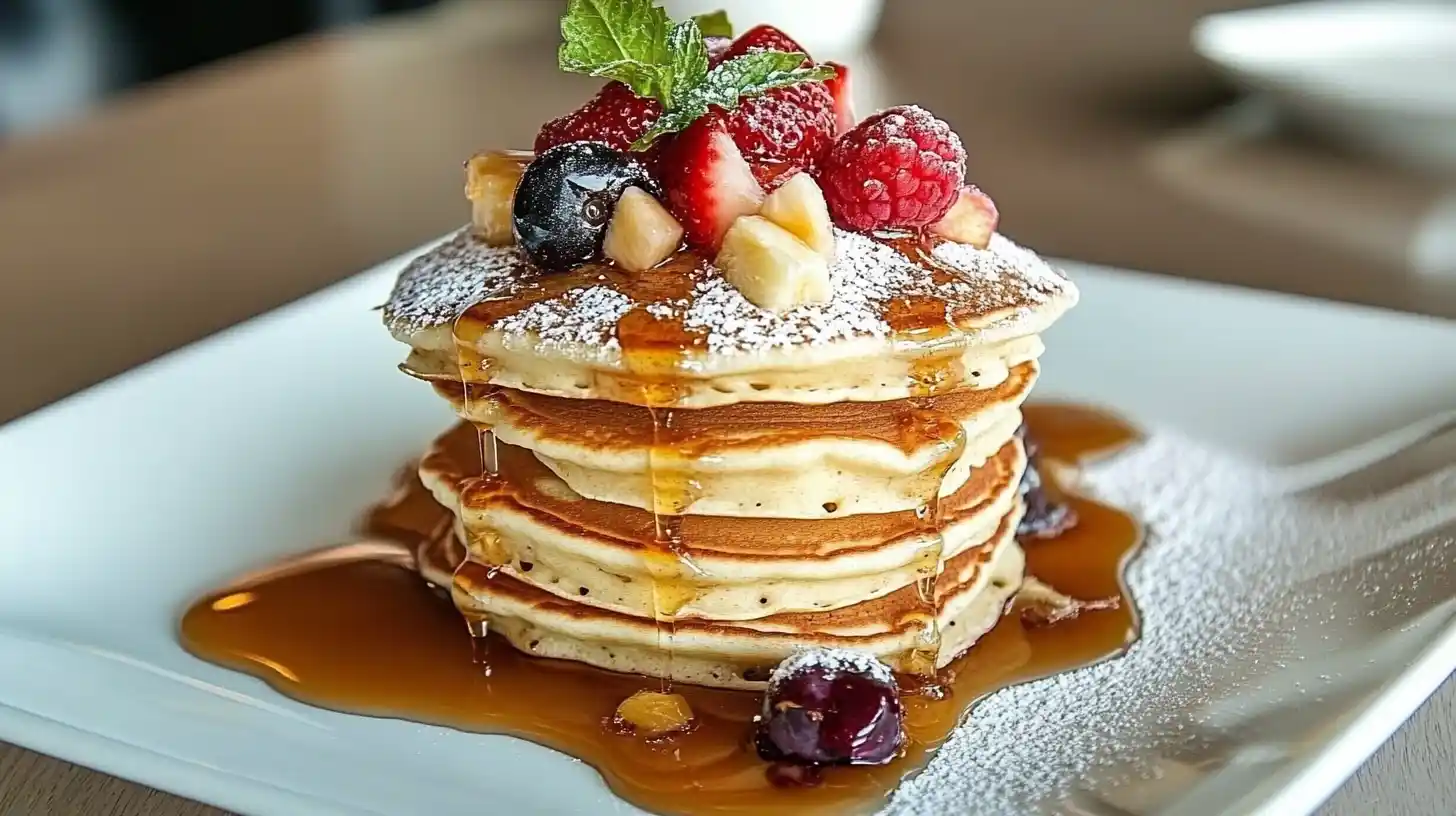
point(831, 707)
point(839, 88)
point(708, 183)
point(785, 130)
point(899, 169)
point(615, 117)
point(762, 38)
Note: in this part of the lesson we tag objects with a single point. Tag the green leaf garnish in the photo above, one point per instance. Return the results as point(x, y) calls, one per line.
point(729, 84)
point(634, 42)
point(625, 40)
point(715, 24)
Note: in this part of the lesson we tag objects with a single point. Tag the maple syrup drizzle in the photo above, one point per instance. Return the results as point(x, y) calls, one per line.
point(922, 323)
point(371, 638)
point(654, 348)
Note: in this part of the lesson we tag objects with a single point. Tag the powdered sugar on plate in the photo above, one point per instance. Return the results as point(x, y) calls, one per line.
point(1003, 290)
point(1265, 617)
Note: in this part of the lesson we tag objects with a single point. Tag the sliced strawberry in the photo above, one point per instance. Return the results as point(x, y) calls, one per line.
point(840, 89)
point(708, 182)
point(762, 38)
point(615, 117)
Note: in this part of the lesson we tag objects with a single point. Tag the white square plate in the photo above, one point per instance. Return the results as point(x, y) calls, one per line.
point(121, 504)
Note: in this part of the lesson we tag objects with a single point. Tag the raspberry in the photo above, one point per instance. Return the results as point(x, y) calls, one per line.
point(615, 117)
point(785, 130)
point(899, 169)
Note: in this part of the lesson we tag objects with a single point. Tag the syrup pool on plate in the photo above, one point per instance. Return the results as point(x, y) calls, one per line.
point(366, 635)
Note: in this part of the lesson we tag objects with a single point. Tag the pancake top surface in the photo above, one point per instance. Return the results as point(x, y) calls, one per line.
point(881, 287)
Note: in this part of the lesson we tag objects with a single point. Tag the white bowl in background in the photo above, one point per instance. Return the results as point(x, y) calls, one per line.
point(828, 28)
point(1377, 76)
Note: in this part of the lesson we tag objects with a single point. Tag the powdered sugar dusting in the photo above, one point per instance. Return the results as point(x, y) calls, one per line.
point(1003, 289)
point(571, 318)
point(1262, 611)
point(832, 663)
point(440, 284)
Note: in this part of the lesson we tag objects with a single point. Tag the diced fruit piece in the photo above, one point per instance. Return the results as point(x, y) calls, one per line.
point(708, 183)
point(784, 131)
point(490, 184)
point(643, 233)
point(566, 199)
point(831, 707)
point(653, 714)
point(972, 219)
point(899, 169)
point(1046, 515)
point(762, 38)
point(798, 206)
point(1040, 604)
point(616, 117)
point(842, 92)
point(772, 268)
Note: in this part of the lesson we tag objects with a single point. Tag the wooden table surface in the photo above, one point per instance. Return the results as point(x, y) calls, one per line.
point(201, 201)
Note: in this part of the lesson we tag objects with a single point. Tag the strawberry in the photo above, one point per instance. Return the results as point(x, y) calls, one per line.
point(784, 131)
point(615, 117)
point(762, 38)
point(787, 129)
point(708, 182)
point(840, 90)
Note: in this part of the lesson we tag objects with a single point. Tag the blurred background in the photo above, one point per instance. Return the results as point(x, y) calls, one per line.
point(171, 167)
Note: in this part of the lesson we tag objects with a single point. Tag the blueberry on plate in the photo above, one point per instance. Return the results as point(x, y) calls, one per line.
point(566, 198)
point(831, 707)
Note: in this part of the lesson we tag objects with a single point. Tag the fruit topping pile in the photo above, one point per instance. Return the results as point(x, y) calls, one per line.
point(831, 707)
point(745, 151)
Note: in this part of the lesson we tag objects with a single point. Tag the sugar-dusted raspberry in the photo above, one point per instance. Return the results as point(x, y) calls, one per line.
point(899, 169)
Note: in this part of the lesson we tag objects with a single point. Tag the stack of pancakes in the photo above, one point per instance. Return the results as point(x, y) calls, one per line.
point(656, 476)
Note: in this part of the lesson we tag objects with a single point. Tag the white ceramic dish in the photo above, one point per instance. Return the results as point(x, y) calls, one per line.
point(119, 505)
point(1375, 75)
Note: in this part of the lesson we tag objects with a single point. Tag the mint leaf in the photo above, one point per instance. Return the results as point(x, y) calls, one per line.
point(625, 40)
point(714, 24)
point(687, 66)
point(731, 82)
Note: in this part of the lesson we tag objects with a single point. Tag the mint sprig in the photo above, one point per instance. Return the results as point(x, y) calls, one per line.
point(634, 42)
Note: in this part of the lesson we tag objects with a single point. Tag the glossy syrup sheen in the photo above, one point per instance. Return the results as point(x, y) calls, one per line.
point(371, 638)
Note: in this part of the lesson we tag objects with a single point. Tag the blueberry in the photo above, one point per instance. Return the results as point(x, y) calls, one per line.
point(831, 707)
point(1045, 517)
point(565, 200)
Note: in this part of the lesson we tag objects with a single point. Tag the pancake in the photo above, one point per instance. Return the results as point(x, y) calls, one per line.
point(821, 461)
point(535, 528)
point(907, 318)
point(970, 597)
